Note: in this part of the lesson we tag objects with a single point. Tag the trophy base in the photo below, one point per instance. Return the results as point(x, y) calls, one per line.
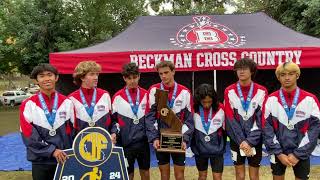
point(171, 141)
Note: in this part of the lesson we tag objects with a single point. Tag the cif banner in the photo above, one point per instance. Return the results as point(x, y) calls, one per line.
point(93, 156)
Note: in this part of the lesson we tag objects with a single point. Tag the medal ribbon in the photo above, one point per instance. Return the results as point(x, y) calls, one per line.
point(92, 104)
point(290, 111)
point(135, 106)
point(170, 103)
point(51, 117)
point(245, 104)
point(206, 125)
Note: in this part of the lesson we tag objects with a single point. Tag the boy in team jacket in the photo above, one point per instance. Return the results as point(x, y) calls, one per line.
point(291, 124)
point(46, 124)
point(180, 101)
point(243, 108)
point(92, 105)
point(128, 107)
point(208, 142)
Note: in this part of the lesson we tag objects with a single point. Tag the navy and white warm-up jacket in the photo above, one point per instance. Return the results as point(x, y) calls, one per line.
point(131, 135)
point(216, 145)
point(182, 106)
point(238, 128)
point(35, 128)
point(302, 138)
point(102, 110)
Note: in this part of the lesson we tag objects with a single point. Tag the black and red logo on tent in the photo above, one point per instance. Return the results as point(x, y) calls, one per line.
point(203, 34)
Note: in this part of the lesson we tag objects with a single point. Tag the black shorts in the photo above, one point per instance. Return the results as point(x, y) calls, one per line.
point(43, 171)
point(177, 158)
point(253, 161)
point(142, 156)
point(216, 163)
point(301, 169)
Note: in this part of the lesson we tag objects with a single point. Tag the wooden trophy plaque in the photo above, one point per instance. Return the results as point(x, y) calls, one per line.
point(170, 138)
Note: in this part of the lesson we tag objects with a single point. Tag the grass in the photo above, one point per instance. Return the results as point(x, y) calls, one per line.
point(191, 173)
point(9, 120)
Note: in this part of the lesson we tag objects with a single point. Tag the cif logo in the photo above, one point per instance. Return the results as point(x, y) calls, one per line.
point(92, 146)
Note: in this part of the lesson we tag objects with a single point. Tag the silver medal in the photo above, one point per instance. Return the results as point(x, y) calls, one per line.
point(135, 121)
point(207, 138)
point(245, 117)
point(52, 132)
point(290, 126)
point(91, 123)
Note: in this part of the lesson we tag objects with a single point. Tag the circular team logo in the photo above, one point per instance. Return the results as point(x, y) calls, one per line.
point(92, 146)
point(203, 34)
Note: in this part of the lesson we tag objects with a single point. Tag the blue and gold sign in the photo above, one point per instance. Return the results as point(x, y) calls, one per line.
point(93, 156)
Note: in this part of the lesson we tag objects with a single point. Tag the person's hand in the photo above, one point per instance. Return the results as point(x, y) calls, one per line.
point(156, 144)
point(60, 156)
point(248, 151)
point(246, 148)
point(284, 160)
point(292, 158)
point(184, 146)
point(114, 138)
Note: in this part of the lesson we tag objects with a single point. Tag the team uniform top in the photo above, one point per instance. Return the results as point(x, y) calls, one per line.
point(244, 125)
point(130, 126)
point(209, 142)
point(40, 137)
point(297, 135)
point(181, 106)
point(101, 111)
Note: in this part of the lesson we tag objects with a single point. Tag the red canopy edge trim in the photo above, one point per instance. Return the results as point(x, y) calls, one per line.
point(190, 60)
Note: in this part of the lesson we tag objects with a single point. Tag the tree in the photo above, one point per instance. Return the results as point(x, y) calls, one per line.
point(43, 26)
point(249, 6)
point(300, 15)
point(185, 7)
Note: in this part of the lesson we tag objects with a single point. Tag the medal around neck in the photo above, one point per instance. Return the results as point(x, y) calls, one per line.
point(51, 117)
point(52, 132)
point(290, 126)
point(134, 106)
point(135, 120)
point(92, 123)
point(93, 156)
point(207, 138)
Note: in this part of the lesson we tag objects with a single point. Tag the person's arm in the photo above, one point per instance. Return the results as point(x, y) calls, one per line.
point(30, 136)
point(254, 136)
point(309, 141)
point(188, 123)
point(233, 126)
point(269, 131)
point(115, 121)
point(152, 130)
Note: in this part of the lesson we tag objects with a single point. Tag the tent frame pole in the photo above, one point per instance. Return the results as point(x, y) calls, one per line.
point(215, 80)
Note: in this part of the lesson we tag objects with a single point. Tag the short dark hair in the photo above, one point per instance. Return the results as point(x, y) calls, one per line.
point(130, 69)
point(42, 68)
point(246, 63)
point(202, 92)
point(163, 64)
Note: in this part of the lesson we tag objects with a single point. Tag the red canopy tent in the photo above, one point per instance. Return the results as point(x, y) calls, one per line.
point(198, 43)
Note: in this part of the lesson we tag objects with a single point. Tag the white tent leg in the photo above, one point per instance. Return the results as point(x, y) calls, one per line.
point(215, 80)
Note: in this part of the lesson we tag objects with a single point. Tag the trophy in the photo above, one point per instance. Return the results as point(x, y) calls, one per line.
point(171, 138)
